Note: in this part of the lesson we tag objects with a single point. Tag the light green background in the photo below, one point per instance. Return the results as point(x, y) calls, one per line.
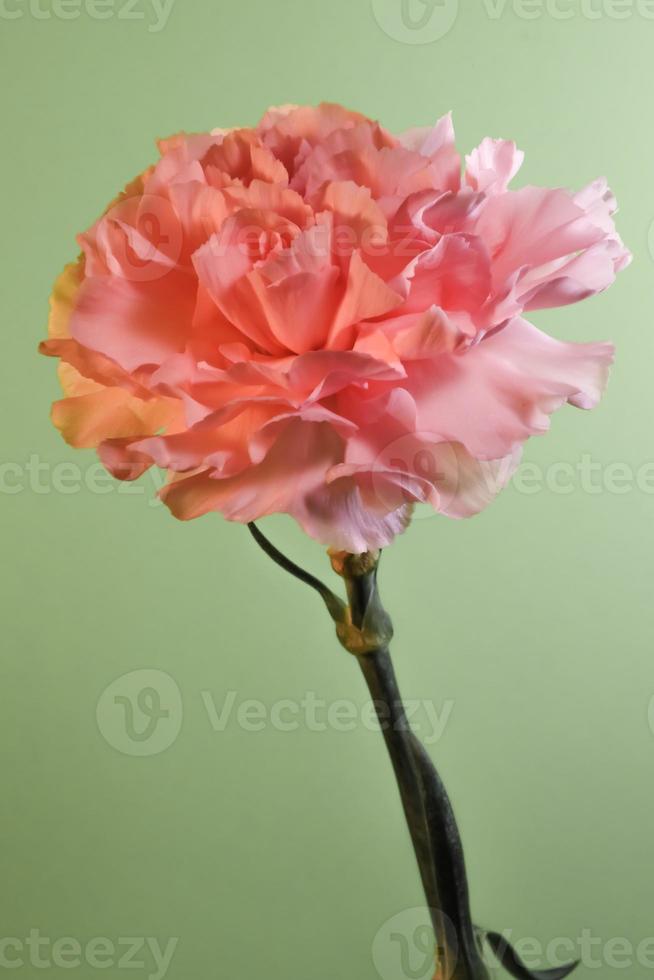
point(281, 854)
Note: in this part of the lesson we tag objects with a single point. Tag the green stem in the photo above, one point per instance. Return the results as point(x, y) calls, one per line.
point(364, 628)
point(427, 808)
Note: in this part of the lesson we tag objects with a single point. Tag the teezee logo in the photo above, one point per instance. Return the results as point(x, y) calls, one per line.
point(415, 21)
point(141, 712)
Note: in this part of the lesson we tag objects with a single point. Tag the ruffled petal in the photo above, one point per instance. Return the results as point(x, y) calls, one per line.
point(438, 144)
point(62, 299)
point(492, 166)
point(531, 227)
point(86, 420)
point(366, 296)
point(134, 323)
point(502, 390)
point(293, 469)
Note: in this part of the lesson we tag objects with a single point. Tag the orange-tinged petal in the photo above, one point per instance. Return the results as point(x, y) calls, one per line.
point(62, 298)
point(93, 412)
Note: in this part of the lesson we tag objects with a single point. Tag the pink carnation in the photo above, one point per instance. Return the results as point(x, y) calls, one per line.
point(319, 318)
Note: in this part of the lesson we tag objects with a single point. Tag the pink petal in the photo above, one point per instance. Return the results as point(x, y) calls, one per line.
point(366, 296)
point(438, 144)
point(503, 389)
point(134, 323)
point(492, 165)
point(121, 460)
point(455, 275)
point(531, 227)
point(293, 469)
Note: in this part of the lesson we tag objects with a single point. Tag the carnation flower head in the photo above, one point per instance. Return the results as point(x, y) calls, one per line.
point(316, 317)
